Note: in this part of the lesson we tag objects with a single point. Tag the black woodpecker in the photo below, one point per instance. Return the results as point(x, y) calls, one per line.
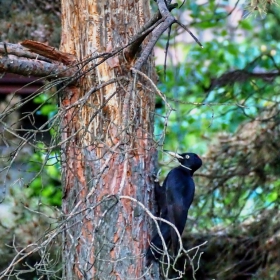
point(174, 199)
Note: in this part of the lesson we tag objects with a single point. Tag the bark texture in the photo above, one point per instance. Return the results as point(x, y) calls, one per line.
point(108, 145)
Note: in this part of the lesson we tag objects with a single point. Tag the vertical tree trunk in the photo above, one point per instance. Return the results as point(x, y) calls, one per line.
point(108, 149)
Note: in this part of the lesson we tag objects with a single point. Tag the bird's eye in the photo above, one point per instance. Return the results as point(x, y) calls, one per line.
point(187, 156)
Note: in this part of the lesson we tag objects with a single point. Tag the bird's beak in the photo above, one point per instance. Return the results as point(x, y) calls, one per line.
point(173, 154)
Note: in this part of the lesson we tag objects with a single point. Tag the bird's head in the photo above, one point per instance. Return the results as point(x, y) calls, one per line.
point(189, 161)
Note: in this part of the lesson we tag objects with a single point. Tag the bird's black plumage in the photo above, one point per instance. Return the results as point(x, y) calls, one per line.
point(174, 199)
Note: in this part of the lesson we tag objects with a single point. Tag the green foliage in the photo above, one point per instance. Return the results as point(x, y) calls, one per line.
point(45, 164)
point(24, 222)
point(213, 90)
point(46, 185)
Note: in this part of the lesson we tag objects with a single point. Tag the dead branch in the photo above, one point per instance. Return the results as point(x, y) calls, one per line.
point(146, 29)
point(242, 76)
point(49, 52)
point(18, 50)
point(35, 68)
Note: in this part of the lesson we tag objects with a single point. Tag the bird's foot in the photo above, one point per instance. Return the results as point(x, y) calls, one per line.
point(156, 176)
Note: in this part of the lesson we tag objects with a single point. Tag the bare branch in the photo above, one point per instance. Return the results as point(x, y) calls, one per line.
point(49, 52)
point(144, 32)
point(18, 50)
point(35, 68)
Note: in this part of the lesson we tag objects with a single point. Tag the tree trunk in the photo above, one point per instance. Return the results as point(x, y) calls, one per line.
point(108, 148)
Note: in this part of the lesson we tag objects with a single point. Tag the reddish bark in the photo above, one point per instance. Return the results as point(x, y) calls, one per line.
point(108, 151)
point(48, 51)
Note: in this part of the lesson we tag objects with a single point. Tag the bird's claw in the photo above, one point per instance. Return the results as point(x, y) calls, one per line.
point(156, 177)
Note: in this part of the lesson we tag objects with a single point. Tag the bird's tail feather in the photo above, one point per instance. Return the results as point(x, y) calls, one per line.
point(155, 250)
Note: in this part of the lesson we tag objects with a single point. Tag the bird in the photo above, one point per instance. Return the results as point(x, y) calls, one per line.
point(174, 199)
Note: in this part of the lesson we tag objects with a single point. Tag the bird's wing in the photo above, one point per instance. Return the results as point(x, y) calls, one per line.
point(160, 198)
point(174, 237)
point(160, 192)
point(179, 196)
point(177, 216)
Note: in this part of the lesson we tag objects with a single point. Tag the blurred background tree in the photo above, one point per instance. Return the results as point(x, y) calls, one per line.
point(226, 97)
point(226, 101)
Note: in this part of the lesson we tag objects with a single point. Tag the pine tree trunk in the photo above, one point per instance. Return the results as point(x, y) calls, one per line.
point(108, 147)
